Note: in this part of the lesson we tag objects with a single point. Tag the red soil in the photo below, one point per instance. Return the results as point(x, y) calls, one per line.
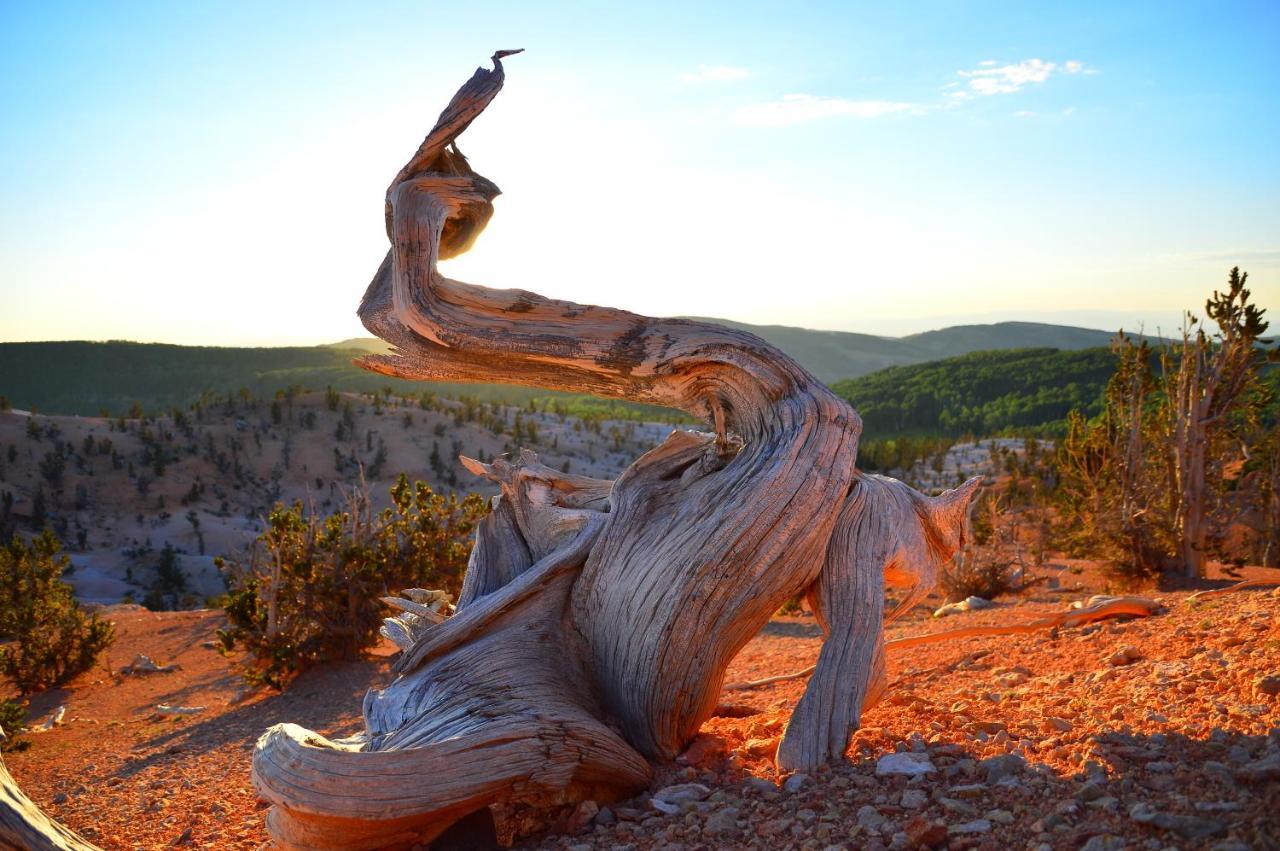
point(1174, 730)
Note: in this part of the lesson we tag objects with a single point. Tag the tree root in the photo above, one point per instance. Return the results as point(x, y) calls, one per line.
point(1239, 586)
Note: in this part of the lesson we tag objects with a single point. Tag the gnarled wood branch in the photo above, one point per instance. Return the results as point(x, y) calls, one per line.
point(597, 619)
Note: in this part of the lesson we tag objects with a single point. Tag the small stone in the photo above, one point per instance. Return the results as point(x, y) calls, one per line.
point(671, 799)
point(870, 818)
point(774, 827)
point(957, 806)
point(913, 799)
point(1106, 803)
point(1217, 806)
point(923, 833)
point(759, 784)
point(722, 821)
point(761, 748)
point(703, 749)
point(969, 604)
point(999, 816)
point(1125, 655)
point(1269, 685)
point(999, 767)
point(1061, 725)
point(1260, 770)
point(1188, 827)
point(1104, 842)
point(1091, 791)
point(582, 815)
point(969, 790)
point(978, 825)
point(796, 782)
point(606, 817)
point(907, 763)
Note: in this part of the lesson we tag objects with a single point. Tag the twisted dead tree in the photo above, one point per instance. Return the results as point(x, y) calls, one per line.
point(597, 619)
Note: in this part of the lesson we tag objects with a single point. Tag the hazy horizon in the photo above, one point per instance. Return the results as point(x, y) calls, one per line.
point(213, 174)
point(916, 325)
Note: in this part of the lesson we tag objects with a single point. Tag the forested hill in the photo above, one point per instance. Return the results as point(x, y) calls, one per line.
point(836, 355)
point(86, 378)
point(981, 393)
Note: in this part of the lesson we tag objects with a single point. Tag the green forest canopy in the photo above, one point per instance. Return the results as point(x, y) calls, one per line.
point(87, 378)
point(1024, 391)
point(1014, 391)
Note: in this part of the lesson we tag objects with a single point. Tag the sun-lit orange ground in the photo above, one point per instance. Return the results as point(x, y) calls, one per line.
point(1182, 729)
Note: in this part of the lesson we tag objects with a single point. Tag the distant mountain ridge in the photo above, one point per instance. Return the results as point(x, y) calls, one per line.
point(84, 378)
point(835, 355)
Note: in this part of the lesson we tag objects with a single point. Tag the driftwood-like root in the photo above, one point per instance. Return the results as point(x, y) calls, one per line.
point(596, 619)
point(493, 707)
point(1231, 589)
point(885, 530)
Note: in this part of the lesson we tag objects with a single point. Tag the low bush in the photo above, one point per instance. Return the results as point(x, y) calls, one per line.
point(978, 574)
point(310, 590)
point(48, 637)
point(13, 719)
point(991, 562)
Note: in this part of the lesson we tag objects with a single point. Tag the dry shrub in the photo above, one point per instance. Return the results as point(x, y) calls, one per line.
point(978, 574)
point(49, 637)
point(311, 590)
point(991, 563)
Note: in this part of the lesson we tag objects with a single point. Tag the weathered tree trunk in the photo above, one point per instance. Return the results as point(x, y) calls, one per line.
point(597, 619)
point(1209, 386)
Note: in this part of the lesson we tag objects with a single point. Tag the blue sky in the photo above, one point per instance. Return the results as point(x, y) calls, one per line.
point(213, 173)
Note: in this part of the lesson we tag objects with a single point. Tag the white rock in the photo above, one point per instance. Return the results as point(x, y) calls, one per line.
point(796, 782)
point(908, 763)
point(979, 825)
point(969, 604)
point(670, 799)
point(54, 720)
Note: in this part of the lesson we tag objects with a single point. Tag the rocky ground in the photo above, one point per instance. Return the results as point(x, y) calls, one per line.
point(1155, 733)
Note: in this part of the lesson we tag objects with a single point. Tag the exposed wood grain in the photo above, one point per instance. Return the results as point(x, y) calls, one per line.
point(568, 667)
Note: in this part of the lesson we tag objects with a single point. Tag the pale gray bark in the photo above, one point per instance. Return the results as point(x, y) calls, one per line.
point(597, 619)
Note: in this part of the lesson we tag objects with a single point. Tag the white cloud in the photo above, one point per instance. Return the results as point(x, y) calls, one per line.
point(798, 108)
point(715, 74)
point(992, 79)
